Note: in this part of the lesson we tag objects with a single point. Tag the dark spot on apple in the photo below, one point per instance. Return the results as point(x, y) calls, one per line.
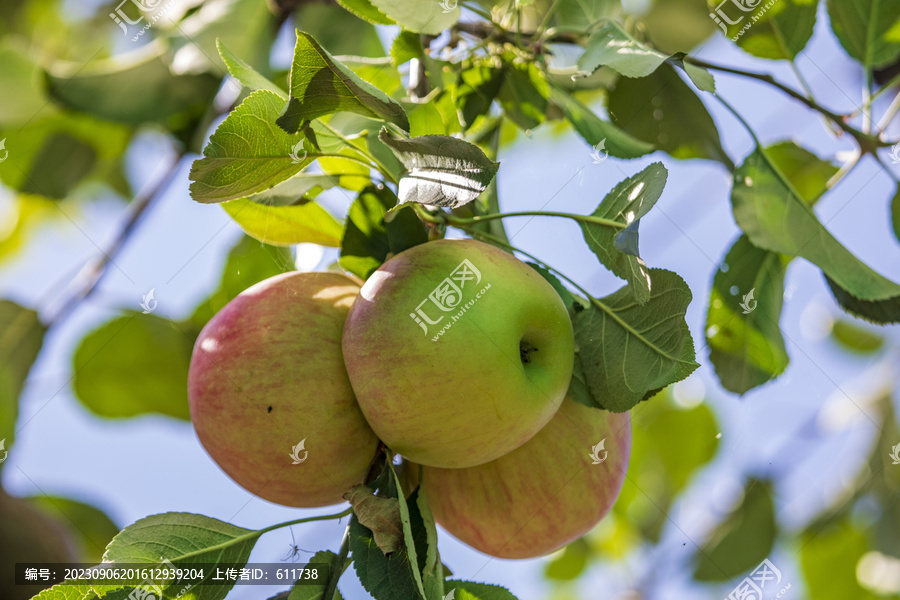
point(524, 350)
point(270, 410)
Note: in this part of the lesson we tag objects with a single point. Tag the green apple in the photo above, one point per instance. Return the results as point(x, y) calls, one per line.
point(270, 398)
point(541, 496)
point(458, 352)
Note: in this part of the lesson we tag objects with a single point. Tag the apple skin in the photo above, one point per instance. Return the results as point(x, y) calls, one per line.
point(29, 535)
point(266, 373)
point(541, 496)
point(468, 397)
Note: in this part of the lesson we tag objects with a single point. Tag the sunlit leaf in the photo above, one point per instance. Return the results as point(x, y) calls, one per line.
point(614, 47)
point(440, 170)
point(248, 153)
point(422, 17)
point(630, 200)
point(321, 85)
point(286, 225)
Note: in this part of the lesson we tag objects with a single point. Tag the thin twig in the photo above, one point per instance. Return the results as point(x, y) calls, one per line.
point(868, 143)
point(93, 272)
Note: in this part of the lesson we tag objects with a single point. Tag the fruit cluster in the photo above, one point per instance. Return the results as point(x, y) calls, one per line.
point(454, 354)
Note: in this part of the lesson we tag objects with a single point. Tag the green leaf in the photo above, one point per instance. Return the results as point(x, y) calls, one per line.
point(321, 85)
point(743, 539)
point(702, 78)
point(62, 162)
point(476, 88)
point(135, 364)
point(829, 557)
point(248, 153)
point(384, 577)
point(782, 32)
point(183, 538)
point(596, 131)
point(306, 591)
point(365, 245)
point(629, 351)
point(17, 72)
point(425, 119)
point(21, 337)
point(523, 94)
point(895, 213)
point(89, 527)
point(571, 563)
point(615, 48)
point(808, 173)
point(630, 200)
point(404, 229)
point(433, 572)
point(365, 10)
point(869, 30)
point(662, 110)
point(775, 217)
point(440, 170)
point(299, 189)
point(747, 348)
point(131, 92)
point(409, 533)
point(421, 17)
point(856, 339)
point(380, 515)
point(469, 590)
point(579, 391)
point(247, 75)
point(405, 47)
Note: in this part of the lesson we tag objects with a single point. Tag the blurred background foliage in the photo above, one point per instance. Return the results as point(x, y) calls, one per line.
point(79, 103)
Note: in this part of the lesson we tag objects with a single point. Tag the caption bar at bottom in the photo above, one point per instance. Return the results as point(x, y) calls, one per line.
point(168, 575)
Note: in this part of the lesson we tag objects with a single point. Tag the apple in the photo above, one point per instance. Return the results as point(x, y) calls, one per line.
point(541, 496)
point(269, 396)
point(29, 535)
point(458, 352)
